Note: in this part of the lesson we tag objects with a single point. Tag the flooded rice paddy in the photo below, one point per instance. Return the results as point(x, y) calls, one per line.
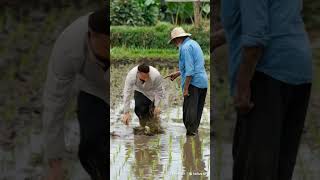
point(171, 155)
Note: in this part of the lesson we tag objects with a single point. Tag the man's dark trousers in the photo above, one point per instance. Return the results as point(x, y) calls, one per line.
point(266, 140)
point(143, 107)
point(93, 115)
point(193, 107)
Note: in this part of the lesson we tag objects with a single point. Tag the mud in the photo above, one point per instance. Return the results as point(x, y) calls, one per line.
point(147, 153)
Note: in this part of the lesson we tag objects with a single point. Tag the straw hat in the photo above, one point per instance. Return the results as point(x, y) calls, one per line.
point(178, 32)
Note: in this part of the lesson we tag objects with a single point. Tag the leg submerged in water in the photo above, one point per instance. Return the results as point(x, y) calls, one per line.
point(142, 107)
point(149, 122)
point(192, 109)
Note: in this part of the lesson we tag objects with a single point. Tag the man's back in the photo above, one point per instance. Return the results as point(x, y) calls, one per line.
point(191, 62)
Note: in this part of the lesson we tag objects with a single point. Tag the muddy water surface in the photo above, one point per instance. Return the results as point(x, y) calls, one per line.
point(171, 155)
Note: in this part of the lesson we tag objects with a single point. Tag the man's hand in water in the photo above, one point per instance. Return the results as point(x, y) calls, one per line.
point(173, 76)
point(55, 170)
point(156, 111)
point(126, 118)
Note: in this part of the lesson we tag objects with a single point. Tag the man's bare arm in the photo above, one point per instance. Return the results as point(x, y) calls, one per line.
point(186, 86)
point(218, 39)
point(251, 56)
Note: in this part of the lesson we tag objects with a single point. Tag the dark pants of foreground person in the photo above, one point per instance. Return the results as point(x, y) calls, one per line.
point(143, 108)
point(93, 114)
point(193, 107)
point(266, 140)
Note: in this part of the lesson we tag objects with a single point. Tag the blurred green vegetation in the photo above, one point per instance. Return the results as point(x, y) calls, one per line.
point(118, 53)
point(126, 12)
point(155, 36)
point(134, 12)
point(182, 13)
point(149, 12)
point(136, 54)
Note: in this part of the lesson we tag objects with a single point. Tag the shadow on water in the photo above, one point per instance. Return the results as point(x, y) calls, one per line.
point(171, 155)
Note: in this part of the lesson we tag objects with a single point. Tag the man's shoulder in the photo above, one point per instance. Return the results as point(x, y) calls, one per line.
point(193, 43)
point(75, 32)
point(154, 73)
point(133, 71)
point(189, 44)
point(154, 70)
point(73, 38)
point(78, 25)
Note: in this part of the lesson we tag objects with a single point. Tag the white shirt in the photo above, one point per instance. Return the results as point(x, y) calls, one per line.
point(71, 62)
point(152, 88)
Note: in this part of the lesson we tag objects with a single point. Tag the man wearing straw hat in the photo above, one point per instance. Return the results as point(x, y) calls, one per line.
point(194, 79)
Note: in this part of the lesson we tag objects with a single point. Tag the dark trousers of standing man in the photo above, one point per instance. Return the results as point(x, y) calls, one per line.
point(93, 115)
point(143, 108)
point(193, 107)
point(266, 140)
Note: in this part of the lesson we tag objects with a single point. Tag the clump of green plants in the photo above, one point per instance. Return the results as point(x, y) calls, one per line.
point(151, 127)
point(134, 12)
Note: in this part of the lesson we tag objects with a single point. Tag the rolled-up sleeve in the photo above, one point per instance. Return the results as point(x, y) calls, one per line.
point(188, 60)
point(127, 91)
point(159, 91)
point(254, 22)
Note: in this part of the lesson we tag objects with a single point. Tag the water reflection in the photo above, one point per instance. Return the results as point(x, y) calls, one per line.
point(147, 157)
point(192, 159)
point(163, 156)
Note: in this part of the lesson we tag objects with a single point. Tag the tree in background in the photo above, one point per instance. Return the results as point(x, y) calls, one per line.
point(149, 12)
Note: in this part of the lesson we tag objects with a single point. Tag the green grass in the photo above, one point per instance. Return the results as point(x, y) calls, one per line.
point(121, 53)
point(155, 36)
